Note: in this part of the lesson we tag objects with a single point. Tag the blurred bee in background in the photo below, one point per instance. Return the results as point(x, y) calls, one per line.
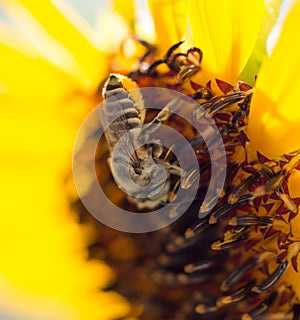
point(182, 65)
point(185, 65)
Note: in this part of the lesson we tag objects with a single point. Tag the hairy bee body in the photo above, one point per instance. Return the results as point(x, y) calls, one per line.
point(135, 166)
point(126, 107)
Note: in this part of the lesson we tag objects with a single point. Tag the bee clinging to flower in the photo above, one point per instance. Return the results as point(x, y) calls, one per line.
point(137, 166)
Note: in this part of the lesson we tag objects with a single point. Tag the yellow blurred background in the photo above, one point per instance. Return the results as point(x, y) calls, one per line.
point(49, 71)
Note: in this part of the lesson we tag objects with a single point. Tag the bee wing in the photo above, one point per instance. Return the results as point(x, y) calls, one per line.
point(116, 129)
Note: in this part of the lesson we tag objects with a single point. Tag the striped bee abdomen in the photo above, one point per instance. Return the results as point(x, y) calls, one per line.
point(120, 103)
point(122, 108)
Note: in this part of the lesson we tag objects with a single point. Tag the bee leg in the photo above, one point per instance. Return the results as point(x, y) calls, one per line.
point(153, 66)
point(150, 49)
point(172, 49)
point(165, 60)
point(192, 52)
point(163, 115)
point(157, 150)
point(144, 59)
point(186, 73)
point(176, 63)
point(172, 169)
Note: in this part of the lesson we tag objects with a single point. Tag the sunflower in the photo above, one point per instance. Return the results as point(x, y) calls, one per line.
point(240, 261)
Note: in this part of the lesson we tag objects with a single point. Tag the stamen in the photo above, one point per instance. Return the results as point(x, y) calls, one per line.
point(180, 243)
point(205, 308)
point(292, 163)
point(242, 188)
point(251, 220)
point(209, 203)
point(239, 272)
point(202, 265)
point(202, 93)
point(231, 168)
point(237, 295)
point(296, 310)
point(218, 104)
point(172, 195)
point(269, 316)
point(267, 171)
point(236, 125)
point(167, 260)
point(169, 154)
point(272, 184)
point(189, 179)
point(272, 279)
point(180, 278)
point(235, 232)
point(196, 229)
point(263, 307)
point(226, 244)
point(227, 208)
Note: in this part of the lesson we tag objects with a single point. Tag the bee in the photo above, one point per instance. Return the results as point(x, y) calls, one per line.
point(137, 166)
point(185, 65)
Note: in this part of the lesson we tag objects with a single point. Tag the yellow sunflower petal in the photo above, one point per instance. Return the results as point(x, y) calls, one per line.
point(42, 248)
point(126, 10)
point(260, 49)
point(43, 260)
point(58, 34)
point(12, 38)
point(274, 124)
point(30, 77)
point(226, 32)
point(170, 21)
